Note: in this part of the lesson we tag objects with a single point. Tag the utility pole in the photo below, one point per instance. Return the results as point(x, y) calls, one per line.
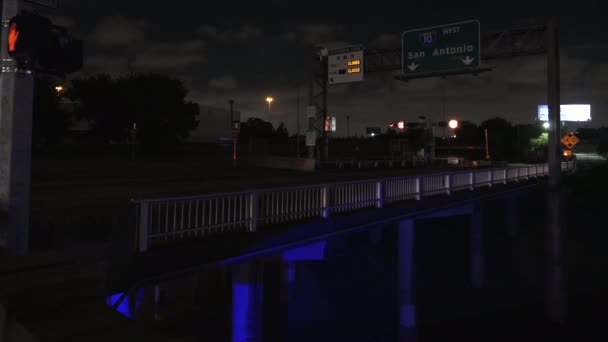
point(311, 121)
point(443, 101)
point(555, 279)
point(324, 110)
point(487, 145)
point(231, 102)
point(234, 131)
point(298, 124)
point(348, 126)
point(133, 138)
point(17, 95)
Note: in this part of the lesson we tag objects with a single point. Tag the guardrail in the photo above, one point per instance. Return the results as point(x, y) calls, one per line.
point(190, 217)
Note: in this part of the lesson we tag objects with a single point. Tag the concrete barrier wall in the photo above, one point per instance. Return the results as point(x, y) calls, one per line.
point(298, 164)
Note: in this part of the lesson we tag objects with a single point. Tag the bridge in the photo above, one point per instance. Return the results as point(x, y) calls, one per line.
point(185, 235)
point(250, 232)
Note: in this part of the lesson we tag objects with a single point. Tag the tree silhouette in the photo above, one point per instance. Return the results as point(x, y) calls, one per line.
point(468, 134)
point(256, 129)
point(50, 120)
point(502, 138)
point(155, 103)
point(281, 135)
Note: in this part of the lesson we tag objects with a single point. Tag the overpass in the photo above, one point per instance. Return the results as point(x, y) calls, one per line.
point(163, 221)
point(178, 236)
point(243, 232)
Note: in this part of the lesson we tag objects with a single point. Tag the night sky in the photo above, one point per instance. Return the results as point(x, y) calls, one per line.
point(248, 50)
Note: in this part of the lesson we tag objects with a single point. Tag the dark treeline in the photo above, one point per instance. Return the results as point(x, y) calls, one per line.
point(507, 142)
point(151, 111)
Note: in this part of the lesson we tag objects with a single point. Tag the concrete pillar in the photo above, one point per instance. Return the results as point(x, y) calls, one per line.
point(288, 291)
point(247, 290)
point(477, 261)
point(3, 323)
point(288, 279)
point(512, 216)
point(157, 303)
point(405, 274)
point(16, 101)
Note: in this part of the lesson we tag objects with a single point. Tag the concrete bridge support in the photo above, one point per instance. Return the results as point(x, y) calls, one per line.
point(275, 278)
point(247, 298)
point(477, 254)
point(405, 275)
point(512, 215)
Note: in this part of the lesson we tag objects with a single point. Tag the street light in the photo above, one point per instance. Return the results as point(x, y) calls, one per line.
point(453, 124)
point(269, 99)
point(546, 125)
point(58, 89)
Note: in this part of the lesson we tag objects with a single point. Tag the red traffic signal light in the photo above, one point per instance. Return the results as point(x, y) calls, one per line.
point(27, 34)
point(34, 41)
point(13, 37)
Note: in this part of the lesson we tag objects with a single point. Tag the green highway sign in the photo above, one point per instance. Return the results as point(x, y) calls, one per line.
point(441, 48)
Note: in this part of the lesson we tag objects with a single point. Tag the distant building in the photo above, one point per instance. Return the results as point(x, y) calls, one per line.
point(213, 125)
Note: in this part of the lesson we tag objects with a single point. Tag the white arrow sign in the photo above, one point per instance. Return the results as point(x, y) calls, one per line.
point(413, 66)
point(468, 60)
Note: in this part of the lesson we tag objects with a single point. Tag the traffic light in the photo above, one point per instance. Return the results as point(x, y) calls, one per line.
point(38, 44)
point(26, 34)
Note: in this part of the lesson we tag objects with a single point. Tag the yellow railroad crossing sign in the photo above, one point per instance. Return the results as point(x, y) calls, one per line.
point(570, 140)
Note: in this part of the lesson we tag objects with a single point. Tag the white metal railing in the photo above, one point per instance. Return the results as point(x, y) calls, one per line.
point(182, 218)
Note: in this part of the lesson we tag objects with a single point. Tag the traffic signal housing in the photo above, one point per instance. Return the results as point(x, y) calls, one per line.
point(27, 34)
point(38, 44)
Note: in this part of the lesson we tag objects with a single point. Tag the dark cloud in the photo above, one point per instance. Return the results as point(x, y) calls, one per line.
point(318, 32)
point(244, 33)
point(226, 82)
point(270, 52)
point(118, 31)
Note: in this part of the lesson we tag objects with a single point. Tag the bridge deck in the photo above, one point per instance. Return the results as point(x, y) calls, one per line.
point(165, 262)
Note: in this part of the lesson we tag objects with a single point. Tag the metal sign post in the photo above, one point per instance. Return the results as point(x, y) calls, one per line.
point(16, 98)
point(555, 280)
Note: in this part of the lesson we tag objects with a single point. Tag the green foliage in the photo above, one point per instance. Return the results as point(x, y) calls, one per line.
point(156, 103)
point(540, 142)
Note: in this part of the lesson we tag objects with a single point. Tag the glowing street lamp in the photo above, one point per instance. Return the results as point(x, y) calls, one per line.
point(58, 89)
point(453, 124)
point(269, 99)
point(546, 125)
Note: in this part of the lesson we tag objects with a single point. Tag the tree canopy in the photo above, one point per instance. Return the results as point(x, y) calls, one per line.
point(258, 129)
point(155, 103)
